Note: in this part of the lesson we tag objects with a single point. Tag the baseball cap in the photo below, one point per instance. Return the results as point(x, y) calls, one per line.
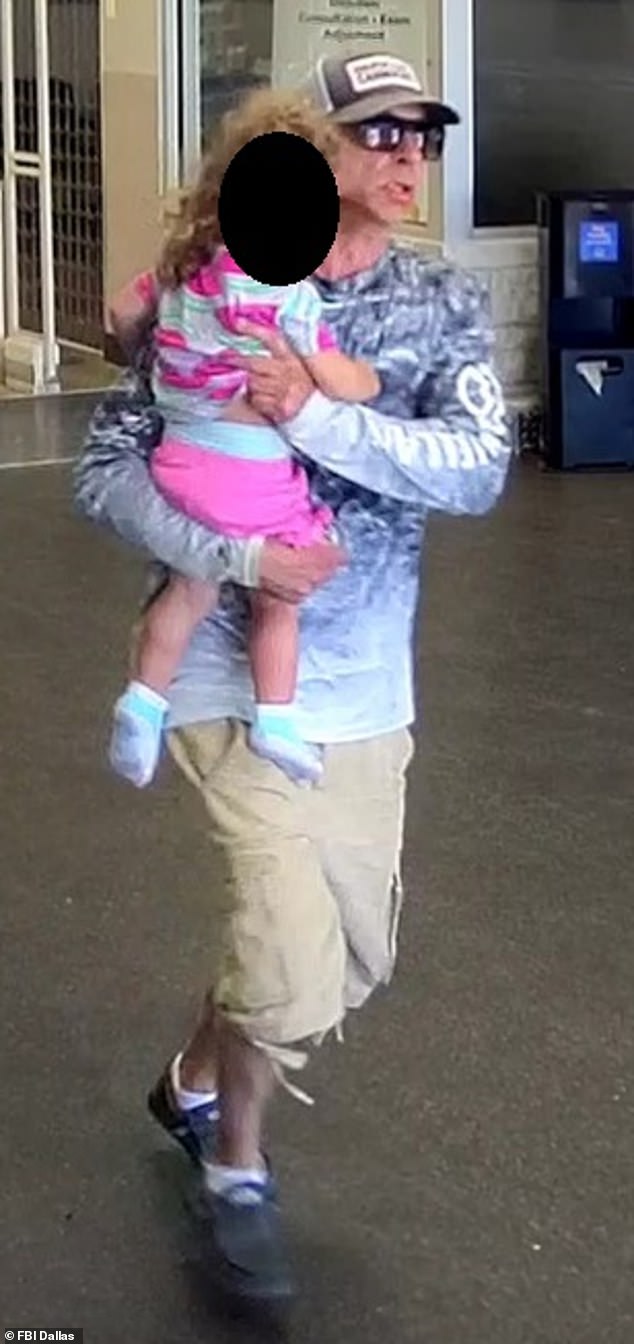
point(351, 89)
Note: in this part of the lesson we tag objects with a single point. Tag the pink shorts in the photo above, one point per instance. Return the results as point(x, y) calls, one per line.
point(240, 497)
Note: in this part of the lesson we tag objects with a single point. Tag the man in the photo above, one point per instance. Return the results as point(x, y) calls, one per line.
point(311, 885)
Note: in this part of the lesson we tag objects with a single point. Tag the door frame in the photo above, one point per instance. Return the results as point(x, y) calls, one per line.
point(18, 166)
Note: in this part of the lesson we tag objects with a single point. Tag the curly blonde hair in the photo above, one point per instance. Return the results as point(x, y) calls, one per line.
point(196, 231)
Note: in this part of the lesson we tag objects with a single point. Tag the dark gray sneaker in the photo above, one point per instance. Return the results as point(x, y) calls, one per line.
point(196, 1130)
point(248, 1255)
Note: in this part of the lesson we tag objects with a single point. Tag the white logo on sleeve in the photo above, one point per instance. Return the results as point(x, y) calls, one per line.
point(480, 392)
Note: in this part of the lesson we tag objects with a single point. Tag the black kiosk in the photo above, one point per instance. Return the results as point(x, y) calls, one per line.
point(587, 315)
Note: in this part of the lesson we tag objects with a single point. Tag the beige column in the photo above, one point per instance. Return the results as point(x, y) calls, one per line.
point(427, 225)
point(130, 103)
point(433, 227)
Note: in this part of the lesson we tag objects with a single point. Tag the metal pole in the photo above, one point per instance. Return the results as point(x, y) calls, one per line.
point(458, 169)
point(10, 182)
point(3, 310)
point(46, 190)
point(169, 98)
point(191, 92)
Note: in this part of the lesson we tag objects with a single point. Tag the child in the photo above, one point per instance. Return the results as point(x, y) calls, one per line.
point(219, 461)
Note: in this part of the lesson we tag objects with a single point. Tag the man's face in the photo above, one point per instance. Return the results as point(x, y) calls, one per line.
point(382, 185)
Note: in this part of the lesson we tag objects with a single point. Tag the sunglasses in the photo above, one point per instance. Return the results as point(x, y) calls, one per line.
point(386, 134)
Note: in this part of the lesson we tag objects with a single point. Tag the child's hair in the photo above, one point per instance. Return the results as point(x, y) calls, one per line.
point(196, 231)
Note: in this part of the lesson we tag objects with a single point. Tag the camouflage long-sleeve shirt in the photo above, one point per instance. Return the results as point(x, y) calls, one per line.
point(434, 439)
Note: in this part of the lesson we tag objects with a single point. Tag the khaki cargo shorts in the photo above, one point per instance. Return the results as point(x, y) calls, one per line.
point(308, 894)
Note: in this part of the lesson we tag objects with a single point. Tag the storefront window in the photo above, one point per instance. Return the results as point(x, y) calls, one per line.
point(236, 40)
point(554, 101)
point(227, 47)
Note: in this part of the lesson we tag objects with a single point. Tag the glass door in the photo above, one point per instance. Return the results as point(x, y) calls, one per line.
point(214, 51)
point(50, 134)
point(236, 45)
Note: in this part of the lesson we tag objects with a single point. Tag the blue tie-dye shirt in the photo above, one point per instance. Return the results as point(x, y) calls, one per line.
point(435, 439)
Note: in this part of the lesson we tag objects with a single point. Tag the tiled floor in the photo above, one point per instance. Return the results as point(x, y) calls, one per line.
point(467, 1174)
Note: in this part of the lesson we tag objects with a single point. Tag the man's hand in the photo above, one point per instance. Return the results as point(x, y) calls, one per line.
point(279, 386)
point(279, 383)
point(293, 574)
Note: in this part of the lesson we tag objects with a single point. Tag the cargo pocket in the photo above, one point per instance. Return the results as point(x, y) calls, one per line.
point(199, 750)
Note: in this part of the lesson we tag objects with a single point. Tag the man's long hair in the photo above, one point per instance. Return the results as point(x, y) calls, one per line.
point(196, 231)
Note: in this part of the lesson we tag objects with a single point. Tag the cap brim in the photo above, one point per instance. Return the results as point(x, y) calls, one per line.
point(381, 104)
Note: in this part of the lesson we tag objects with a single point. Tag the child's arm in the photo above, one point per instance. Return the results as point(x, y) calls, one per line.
point(133, 312)
point(342, 378)
point(335, 374)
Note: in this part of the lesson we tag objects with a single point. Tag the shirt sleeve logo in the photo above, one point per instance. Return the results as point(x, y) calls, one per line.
point(479, 391)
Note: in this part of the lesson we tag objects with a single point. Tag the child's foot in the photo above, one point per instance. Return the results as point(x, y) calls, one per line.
point(135, 745)
point(274, 736)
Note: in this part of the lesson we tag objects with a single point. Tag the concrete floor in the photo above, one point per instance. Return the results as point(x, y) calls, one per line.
point(467, 1175)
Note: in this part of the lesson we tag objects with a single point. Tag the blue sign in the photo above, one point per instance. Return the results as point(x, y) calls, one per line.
point(599, 241)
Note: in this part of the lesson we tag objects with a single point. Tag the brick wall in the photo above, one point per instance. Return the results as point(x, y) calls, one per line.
point(508, 267)
point(514, 300)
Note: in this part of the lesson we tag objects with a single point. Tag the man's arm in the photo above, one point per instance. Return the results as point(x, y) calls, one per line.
point(455, 457)
point(113, 487)
point(133, 312)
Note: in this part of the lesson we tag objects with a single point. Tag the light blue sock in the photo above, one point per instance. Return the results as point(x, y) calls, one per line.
point(275, 737)
point(135, 745)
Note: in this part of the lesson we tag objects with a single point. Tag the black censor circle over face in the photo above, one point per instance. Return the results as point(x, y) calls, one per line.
point(278, 208)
